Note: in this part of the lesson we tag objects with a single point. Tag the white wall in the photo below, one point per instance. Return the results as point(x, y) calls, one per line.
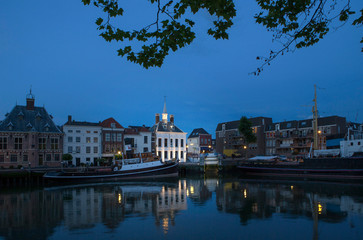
point(85, 132)
point(180, 151)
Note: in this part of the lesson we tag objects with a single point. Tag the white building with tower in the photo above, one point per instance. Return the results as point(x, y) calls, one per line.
point(169, 141)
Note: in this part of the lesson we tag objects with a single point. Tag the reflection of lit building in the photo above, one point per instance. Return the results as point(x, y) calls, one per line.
point(262, 201)
point(82, 207)
point(26, 214)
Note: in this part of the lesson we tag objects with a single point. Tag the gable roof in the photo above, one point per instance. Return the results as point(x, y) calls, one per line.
point(198, 131)
point(20, 119)
point(107, 123)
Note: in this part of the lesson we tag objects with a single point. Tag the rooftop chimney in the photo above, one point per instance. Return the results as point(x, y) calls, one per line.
point(157, 118)
point(69, 118)
point(172, 118)
point(30, 101)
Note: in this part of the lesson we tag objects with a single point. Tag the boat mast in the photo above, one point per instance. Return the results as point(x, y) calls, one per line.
point(315, 120)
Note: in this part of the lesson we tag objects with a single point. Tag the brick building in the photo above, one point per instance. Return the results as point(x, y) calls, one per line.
point(29, 137)
point(112, 138)
point(229, 138)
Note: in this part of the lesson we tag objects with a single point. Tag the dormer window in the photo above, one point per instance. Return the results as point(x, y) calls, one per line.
point(29, 126)
point(46, 127)
point(38, 116)
point(10, 126)
point(20, 115)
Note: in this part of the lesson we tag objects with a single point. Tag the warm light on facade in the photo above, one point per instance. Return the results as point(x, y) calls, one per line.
point(119, 198)
point(245, 193)
point(191, 190)
point(292, 187)
point(320, 208)
point(244, 147)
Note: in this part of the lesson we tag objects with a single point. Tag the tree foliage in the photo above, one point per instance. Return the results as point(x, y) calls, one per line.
point(294, 23)
point(301, 23)
point(170, 31)
point(67, 157)
point(245, 128)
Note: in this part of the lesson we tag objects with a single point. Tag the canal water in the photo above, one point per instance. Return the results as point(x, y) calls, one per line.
point(185, 208)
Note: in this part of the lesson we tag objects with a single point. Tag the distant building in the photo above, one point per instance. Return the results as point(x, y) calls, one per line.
point(112, 138)
point(137, 139)
point(295, 138)
point(169, 141)
point(229, 138)
point(199, 141)
point(29, 137)
point(83, 141)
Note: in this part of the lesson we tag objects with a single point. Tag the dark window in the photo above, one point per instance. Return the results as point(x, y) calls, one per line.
point(1, 158)
point(159, 153)
point(88, 149)
point(181, 154)
point(78, 139)
point(56, 157)
point(171, 154)
point(182, 142)
point(18, 143)
point(166, 154)
point(159, 142)
point(171, 142)
point(13, 158)
point(3, 143)
point(42, 143)
point(54, 143)
point(25, 158)
point(70, 139)
point(88, 159)
point(146, 149)
point(176, 142)
point(145, 139)
point(165, 142)
point(49, 157)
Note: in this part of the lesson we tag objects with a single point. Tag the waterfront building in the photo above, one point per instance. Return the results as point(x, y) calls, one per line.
point(199, 141)
point(137, 139)
point(168, 141)
point(294, 138)
point(83, 141)
point(29, 137)
point(228, 138)
point(112, 138)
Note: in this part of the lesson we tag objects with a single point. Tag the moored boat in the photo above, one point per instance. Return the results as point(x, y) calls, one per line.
point(134, 168)
point(314, 168)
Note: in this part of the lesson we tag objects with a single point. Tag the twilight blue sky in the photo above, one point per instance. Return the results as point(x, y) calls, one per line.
point(54, 47)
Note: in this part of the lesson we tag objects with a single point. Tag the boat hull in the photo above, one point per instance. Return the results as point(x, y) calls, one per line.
point(165, 170)
point(303, 173)
point(336, 168)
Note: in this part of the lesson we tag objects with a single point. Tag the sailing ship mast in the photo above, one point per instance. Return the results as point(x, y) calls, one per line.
point(315, 120)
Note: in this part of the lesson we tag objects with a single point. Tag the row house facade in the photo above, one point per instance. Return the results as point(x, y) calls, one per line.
point(29, 137)
point(199, 141)
point(228, 136)
point(295, 138)
point(137, 140)
point(112, 138)
point(168, 141)
point(83, 141)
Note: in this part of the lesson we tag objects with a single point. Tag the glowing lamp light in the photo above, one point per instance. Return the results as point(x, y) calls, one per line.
point(320, 208)
point(245, 147)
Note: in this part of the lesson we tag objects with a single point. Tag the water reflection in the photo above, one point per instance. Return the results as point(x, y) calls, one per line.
point(44, 213)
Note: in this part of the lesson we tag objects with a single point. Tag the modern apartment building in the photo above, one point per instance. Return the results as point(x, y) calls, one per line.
point(229, 138)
